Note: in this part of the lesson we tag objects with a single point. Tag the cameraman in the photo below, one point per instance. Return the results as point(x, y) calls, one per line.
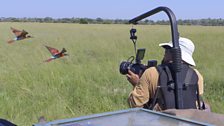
point(145, 87)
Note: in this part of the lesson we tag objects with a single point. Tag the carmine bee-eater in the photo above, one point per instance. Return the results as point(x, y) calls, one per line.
point(55, 53)
point(20, 35)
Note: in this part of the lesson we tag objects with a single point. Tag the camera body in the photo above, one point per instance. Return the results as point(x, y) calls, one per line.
point(136, 67)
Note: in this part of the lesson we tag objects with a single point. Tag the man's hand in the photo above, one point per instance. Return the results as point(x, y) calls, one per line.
point(132, 77)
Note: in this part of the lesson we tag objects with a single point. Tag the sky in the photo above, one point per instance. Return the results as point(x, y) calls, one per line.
point(111, 9)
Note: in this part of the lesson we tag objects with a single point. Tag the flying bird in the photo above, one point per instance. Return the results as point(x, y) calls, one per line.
point(20, 35)
point(55, 53)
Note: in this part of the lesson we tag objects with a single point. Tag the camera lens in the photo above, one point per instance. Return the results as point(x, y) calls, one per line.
point(124, 67)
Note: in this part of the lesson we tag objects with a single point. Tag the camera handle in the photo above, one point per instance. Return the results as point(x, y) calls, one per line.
point(131, 59)
point(133, 37)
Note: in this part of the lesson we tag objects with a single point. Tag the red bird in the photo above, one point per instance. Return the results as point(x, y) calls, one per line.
point(55, 53)
point(20, 35)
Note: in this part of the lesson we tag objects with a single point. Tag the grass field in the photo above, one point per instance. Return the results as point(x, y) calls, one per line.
point(88, 80)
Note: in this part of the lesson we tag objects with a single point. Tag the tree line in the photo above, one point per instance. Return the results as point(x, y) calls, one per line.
point(203, 22)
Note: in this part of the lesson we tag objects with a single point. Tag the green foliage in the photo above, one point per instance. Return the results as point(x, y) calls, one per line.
point(88, 80)
point(83, 21)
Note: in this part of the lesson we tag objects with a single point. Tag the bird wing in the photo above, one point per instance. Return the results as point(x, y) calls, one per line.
point(53, 51)
point(16, 32)
point(62, 53)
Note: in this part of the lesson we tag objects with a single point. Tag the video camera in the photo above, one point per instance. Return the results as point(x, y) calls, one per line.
point(136, 67)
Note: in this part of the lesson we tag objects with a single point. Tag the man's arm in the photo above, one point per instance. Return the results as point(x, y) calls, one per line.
point(144, 89)
point(200, 82)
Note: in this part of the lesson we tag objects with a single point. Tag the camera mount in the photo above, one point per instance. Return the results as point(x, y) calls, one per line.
point(133, 37)
point(176, 52)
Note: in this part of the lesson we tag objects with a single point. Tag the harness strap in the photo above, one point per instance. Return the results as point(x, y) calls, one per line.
point(200, 100)
point(188, 77)
point(171, 85)
point(167, 70)
point(154, 100)
point(187, 82)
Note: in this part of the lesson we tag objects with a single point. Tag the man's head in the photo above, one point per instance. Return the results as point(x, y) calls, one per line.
point(187, 49)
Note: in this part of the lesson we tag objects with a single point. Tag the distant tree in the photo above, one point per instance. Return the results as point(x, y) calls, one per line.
point(146, 21)
point(180, 22)
point(48, 19)
point(107, 21)
point(90, 21)
point(83, 21)
point(12, 19)
point(99, 20)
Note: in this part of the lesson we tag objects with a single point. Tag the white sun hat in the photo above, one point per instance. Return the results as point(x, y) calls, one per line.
point(187, 49)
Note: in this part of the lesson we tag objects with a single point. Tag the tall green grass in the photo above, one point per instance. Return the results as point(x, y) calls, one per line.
point(88, 80)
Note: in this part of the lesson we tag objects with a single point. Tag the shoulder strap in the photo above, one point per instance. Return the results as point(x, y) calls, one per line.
point(165, 68)
point(171, 85)
point(188, 76)
point(187, 82)
point(160, 69)
point(152, 102)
